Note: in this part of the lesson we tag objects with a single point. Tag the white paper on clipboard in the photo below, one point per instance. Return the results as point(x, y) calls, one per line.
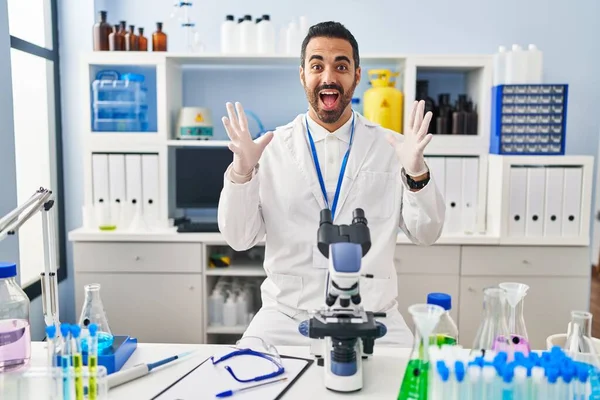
point(206, 380)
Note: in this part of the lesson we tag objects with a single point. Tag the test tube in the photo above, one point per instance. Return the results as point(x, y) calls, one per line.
point(51, 340)
point(77, 361)
point(65, 360)
point(92, 359)
point(474, 372)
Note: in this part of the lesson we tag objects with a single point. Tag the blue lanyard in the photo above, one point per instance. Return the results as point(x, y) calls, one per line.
point(342, 169)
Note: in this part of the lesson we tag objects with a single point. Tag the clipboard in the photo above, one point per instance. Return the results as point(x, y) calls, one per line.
point(164, 394)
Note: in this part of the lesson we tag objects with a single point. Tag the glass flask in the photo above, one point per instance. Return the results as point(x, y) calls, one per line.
point(492, 333)
point(446, 331)
point(93, 312)
point(159, 39)
point(143, 41)
point(579, 345)
point(515, 298)
point(15, 331)
point(415, 382)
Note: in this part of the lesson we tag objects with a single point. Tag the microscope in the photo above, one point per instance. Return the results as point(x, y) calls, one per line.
point(343, 334)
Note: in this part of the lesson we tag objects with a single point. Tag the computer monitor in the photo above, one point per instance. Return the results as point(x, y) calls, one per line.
point(199, 176)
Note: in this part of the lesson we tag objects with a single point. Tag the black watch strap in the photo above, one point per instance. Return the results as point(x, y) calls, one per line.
point(417, 184)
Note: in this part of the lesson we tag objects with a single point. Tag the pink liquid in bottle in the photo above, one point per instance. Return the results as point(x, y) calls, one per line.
point(520, 344)
point(15, 344)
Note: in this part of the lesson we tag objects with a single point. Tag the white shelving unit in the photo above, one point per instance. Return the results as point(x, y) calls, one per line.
point(457, 276)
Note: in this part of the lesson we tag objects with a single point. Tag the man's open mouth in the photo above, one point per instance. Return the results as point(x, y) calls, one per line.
point(329, 98)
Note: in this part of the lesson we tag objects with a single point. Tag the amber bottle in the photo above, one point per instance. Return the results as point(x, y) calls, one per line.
point(159, 39)
point(142, 40)
point(131, 40)
point(101, 31)
point(115, 40)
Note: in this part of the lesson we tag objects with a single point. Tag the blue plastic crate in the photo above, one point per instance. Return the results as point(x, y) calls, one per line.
point(529, 119)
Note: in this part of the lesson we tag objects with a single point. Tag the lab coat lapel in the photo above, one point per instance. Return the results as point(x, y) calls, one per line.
point(295, 141)
point(364, 138)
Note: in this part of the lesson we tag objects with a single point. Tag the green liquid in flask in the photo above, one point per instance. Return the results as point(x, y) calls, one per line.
point(414, 384)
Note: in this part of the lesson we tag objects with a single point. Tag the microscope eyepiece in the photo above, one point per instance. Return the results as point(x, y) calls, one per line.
point(358, 216)
point(325, 216)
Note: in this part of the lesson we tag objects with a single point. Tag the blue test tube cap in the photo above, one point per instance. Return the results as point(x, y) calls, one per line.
point(64, 329)
point(582, 372)
point(520, 358)
point(51, 331)
point(508, 373)
point(459, 370)
point(500, 358)
point(443, 371)
point(552, 374)
point(93, 328)
point(75, 331)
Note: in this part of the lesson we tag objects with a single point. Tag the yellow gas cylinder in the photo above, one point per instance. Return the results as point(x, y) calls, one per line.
point(383, 102)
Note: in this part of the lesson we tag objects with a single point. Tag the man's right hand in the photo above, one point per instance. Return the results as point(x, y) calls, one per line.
point(246, 152)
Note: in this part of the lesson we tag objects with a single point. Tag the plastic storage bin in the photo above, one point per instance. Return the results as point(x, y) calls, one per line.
point(529, 119)
point(119, 103)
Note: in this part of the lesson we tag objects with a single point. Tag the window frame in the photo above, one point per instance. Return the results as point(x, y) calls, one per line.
point(34, 289)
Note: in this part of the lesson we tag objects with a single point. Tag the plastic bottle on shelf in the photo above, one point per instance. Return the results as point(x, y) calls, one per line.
point(516, 65)
point(535, 61)
point(216, 303)
point(292, 38)
point(242, 307)
point(303, 27)
point(101, 31)
point(500, 66)
point(266, 36)
point(247, 37)
point(228, 35)
point(230, 311)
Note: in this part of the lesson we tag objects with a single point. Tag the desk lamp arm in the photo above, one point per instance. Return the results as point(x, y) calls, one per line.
point(41, 201)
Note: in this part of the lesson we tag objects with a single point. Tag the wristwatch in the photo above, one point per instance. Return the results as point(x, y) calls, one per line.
point(417, 184)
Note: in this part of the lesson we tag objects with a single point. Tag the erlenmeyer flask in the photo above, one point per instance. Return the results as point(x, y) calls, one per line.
point(515, 298)
point(580, 347)
point(493, 333)
point(93, 312)
point(415, 382)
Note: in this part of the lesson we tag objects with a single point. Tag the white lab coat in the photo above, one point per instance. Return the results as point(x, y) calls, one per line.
point(282, 204)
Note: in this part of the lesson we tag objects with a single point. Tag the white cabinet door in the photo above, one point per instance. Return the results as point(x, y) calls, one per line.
point(413, 289)
point(548, 305)
point(155, 308)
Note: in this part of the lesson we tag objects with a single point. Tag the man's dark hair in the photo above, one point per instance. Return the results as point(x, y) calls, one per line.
point(334, 30)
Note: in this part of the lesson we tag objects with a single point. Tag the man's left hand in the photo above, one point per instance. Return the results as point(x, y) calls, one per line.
point(410, 150)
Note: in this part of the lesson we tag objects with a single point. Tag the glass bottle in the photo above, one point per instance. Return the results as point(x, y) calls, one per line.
point(492, 333)
point(159, 39)
point(115, 40)
point(415, 381)
point(122, 32)
point(142, 40)
point(93, 312)
point(15, 331)
point(131, 40)
point(444, 117)
point(446, 331)
point(580, 347)
point(515, 298)
point(101, 31)
point(422, 94)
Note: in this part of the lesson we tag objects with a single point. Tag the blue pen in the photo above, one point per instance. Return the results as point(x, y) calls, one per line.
point(228, 393)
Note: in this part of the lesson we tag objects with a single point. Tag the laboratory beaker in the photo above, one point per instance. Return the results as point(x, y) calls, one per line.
point(515, 298)
point(580, 347)
point(93, 312)
point(415, 382)
point(492, 333)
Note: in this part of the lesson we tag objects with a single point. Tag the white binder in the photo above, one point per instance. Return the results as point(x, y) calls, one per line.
point(572, 201)
point(150, 189)
point(517, 199)
point(133, 179)
point(453, 189)
point(470, 191)
point(437, 169)
point(536, 189)
point(100, 179)
point(116, 173)
point(553, 201)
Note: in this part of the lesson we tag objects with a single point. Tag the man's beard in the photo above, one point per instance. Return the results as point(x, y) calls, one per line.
point(330, 116)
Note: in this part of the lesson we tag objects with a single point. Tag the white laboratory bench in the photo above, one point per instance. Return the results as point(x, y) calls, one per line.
point(382, 373)
point(140, 270)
